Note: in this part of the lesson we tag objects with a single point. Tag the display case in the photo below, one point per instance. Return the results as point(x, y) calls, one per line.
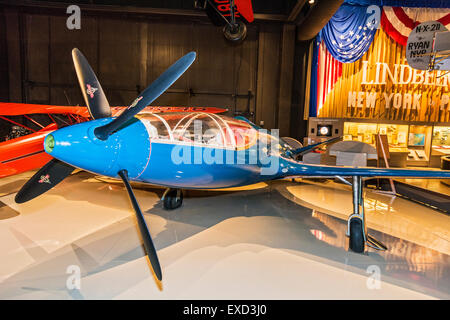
point(419, 142)
point(363, 132)
point(366, 132)
point(440, 145)
point(408, 145)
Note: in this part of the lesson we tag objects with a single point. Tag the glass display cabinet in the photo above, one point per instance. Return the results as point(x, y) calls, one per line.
point(440, 145)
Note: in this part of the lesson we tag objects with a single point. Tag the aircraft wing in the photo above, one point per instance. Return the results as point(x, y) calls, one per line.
point(301, 170)
point(17, 109)
point(156, 109)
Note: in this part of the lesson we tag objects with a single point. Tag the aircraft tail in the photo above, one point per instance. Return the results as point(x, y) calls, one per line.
point(301, 169)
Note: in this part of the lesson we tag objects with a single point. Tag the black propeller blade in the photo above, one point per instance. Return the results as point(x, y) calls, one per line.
point(146, 237)
point(93, 94)
point(147, 96)
point(46, 178)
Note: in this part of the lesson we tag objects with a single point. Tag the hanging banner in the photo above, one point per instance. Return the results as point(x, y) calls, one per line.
point(398, 22)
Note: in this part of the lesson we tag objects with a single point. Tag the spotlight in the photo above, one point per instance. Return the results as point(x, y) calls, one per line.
point(311, 1)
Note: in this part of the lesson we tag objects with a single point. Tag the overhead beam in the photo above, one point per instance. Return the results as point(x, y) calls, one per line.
point(317, 18)
point(296, 10)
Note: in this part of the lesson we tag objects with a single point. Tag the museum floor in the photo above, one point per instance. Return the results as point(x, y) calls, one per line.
point(283, 240)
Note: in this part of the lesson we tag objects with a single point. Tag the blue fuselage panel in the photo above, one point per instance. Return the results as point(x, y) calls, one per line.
point(189, 165)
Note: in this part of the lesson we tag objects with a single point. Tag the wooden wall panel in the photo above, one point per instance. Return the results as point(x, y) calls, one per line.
point(13, 43)
point(4, 87)
point(167, 42)
point(37, 58)
point(119, 59)
point(220, 70)
point(286, 78)
point(128, 54)
point(64, 85)
point(246, 64)
point(63, 41)
point(268, 75)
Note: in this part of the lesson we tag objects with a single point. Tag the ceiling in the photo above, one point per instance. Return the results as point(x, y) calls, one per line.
point(279, 7)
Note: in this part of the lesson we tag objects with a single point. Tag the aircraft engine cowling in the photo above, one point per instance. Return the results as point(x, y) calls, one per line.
point(77, 145)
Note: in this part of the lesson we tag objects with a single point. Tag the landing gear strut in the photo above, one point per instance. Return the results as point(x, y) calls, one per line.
point(172, 198)
point(357, 229)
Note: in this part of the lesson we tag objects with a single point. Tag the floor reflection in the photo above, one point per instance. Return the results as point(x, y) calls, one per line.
point(265, 217)
point(403, 260)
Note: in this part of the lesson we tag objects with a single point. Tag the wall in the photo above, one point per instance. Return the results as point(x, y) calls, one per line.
point(4, 86)
point(129, 51)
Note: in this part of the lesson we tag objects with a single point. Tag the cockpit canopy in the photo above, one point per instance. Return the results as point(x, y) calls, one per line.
point(200, 128)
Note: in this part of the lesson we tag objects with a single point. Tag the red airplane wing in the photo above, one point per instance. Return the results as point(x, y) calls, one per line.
point(18, 109)
point(24, 153)
point(27, 152)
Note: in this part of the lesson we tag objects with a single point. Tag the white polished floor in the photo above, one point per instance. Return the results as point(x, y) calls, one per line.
point(284, 240)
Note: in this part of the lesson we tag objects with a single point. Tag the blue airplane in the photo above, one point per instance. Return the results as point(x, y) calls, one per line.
point(185, 151)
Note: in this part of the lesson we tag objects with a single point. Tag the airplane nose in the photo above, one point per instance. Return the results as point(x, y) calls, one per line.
point(49, 143)
point(75, 145)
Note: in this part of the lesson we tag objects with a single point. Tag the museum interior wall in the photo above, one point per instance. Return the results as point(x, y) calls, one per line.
point(128, 51)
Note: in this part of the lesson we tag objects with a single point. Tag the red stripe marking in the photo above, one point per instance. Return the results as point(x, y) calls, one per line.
point(445, 20)
point(404, 18)
point(391, 31)
point(246, 9)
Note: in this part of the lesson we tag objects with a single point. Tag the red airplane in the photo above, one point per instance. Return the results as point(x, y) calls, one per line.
point(229, 14)
point(23, 148)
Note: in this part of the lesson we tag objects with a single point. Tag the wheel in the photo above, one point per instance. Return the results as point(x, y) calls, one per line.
point(235, 33)
point(173, 199)
point(356, 235)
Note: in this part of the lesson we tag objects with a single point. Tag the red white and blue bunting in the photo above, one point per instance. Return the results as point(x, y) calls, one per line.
point(398, 22)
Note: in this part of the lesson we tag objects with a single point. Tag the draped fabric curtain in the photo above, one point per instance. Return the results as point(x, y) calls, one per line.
point(403, 3)
point(328, 72)
point(398, 22)
point(345, 39)
point(314, 79)
point(350, 32)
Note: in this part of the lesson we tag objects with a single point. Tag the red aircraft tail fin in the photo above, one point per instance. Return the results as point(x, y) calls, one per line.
point(245, 8)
